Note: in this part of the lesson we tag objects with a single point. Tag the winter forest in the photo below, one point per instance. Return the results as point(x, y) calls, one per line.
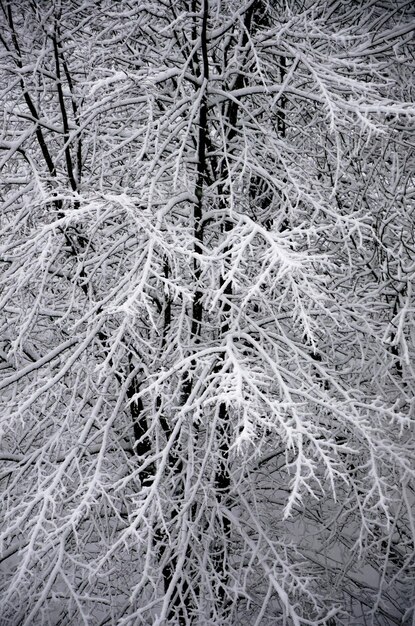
point(207, 330)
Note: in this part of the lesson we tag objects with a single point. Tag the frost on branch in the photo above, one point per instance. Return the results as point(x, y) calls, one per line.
point(206, 349)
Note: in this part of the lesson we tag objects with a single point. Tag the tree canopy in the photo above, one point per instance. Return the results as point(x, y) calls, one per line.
point(207, 321)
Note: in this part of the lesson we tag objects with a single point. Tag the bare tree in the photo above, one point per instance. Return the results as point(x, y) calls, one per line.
point(207, 253)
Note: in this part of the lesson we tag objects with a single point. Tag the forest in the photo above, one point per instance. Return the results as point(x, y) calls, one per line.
point(207, 329)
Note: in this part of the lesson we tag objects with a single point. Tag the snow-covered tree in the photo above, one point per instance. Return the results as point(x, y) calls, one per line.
point(207, 332)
